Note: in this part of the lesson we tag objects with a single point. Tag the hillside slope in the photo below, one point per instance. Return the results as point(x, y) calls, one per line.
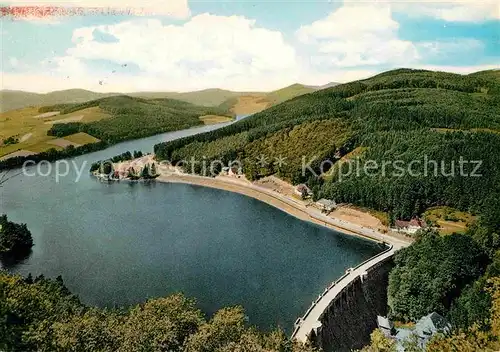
point(105, 121)
point(251, 103)
point(400, 115)
point(132, 117)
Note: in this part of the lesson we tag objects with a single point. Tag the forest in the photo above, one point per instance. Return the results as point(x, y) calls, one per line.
point(132, 117)
point(14, 238)
point(40, 314)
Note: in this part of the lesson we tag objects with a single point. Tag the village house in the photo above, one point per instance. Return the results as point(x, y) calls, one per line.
point(386, 326)
point(326, 205)
point(303, 191)
point(422, 332)
point(234, 171)
point(409, 227)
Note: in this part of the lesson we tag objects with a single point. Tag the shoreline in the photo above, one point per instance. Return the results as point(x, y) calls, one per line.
point(288, 205)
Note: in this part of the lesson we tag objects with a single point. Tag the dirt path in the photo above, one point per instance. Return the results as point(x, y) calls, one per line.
point(25, 137)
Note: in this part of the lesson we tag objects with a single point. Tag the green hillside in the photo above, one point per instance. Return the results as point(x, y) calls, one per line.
point(132, 117)
point(100, 122)
point(207, 97)
point(281, 95)
point(397, 115)
point(406, 143)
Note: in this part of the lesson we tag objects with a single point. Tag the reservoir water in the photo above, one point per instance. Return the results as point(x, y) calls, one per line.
point(118, 244)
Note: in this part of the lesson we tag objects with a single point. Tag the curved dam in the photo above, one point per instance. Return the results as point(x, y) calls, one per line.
point(344, 315)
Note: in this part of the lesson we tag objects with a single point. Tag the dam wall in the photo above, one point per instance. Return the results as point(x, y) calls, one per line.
point(345, 314)
point(351, 317)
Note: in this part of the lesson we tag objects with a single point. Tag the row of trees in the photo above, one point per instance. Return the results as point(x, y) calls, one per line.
point(116, 159)
point(10, 140)
point(42, 315)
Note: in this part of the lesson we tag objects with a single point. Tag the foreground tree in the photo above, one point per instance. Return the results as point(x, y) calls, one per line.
point(380, 343)
point(14, 238)
point(431, 273)
point(42, 315)
point(474, 338)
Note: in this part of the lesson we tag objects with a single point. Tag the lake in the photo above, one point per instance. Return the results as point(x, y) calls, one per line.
point(118, 244)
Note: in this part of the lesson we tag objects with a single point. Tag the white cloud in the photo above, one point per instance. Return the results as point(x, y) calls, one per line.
point(451, 10)
point(355, 35)
point(447, 10)
point(171, 8)
point(449, 47)
point(14, 62)
point(207, 51)
point(355, 41)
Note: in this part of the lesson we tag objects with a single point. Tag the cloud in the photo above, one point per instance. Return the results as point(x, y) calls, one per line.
point(14, 62)
point(233, 52)
point(448, 48)
point(451, 10)
point(38, 10)
point(357, 35)
point(447, 10)
point(207, 51)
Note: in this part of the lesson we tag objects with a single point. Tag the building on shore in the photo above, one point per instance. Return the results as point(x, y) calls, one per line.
point(421, 333)
point(409, 227)
point(326, 205)
point(303, 191)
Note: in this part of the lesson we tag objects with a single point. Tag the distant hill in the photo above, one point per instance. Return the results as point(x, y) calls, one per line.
point(324, 86)
point(132, 117)
point(15, 99)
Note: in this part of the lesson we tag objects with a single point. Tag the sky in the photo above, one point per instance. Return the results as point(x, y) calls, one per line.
point(243, 45)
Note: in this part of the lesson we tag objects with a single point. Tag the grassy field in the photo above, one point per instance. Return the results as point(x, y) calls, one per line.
point(81, 138)
point(32, 131)
point(214, 119)
point(449, 220)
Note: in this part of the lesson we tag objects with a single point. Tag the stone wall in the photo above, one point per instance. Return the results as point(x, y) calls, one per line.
point(350, 319)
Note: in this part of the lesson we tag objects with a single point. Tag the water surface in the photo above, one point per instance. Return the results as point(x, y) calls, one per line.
point(119, 244)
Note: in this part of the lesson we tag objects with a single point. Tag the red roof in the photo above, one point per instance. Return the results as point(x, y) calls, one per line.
point(413, 222)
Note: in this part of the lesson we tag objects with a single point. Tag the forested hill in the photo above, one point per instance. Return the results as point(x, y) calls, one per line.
point(402, 115)
point(112, 120)
point(132, 117)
